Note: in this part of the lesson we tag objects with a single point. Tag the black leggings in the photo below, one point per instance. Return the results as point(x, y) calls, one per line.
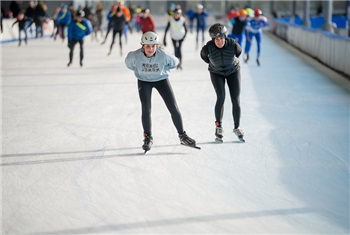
point(115, 32)
point(166, 92)
point(71, 47)
point(234, 85)
point(177, 47)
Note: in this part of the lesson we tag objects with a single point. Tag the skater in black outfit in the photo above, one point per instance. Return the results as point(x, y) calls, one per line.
point(23, 24)
point(221, 53)
point(118, 21)
point(151, 66)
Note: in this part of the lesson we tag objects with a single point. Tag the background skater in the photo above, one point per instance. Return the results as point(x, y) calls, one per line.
point(77, 30)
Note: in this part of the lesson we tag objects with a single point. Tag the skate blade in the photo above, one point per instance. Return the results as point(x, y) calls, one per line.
point(242, 140)
point(192, 146)
point(218, 140)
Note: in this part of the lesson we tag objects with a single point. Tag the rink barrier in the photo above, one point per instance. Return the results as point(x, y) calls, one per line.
point(330, 49)
point(10, 34)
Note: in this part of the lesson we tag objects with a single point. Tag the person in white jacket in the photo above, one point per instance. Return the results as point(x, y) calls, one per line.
point(151, 66)
point(178, 31)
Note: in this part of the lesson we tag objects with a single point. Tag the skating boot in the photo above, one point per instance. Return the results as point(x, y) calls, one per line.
point(147, 142)
point(187, 141)
point(239, 134)
point(258, 61)
point(218, 132)
point(246, 58)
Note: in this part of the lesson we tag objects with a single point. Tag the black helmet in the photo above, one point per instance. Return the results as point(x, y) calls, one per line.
point(217, 30)
point(80, 13)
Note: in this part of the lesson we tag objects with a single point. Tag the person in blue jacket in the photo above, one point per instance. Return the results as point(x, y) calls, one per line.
point(110, 25)
point(253, 29)
point(151, 66)
point(62, 21)
point(77, 30)
point(200, 16)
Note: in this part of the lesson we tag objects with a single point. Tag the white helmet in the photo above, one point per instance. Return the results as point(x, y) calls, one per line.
point(199, 6)
point(149, 38)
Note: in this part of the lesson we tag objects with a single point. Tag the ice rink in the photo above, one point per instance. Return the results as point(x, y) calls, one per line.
point(72, 161)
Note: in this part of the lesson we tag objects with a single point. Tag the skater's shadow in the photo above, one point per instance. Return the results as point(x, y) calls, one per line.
point(61, 157)
point(220, 143)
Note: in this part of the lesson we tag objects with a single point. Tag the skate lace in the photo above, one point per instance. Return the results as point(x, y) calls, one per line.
point(147, 139)
point(185, 139)
point(219, 130)
point(238, 132)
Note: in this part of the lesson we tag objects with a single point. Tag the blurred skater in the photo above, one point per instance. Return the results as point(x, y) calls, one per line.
point(178, 31)
point(118, 22)
point(238, 26)
point(151, 66)
point(77, 30)
point(221, 54)
point(99, 16)
point(127, 15)
point(39, 18)
point(63, 19)
point(110, 26)
point(146, 21)
point(23, 24)
point(201, 23)
point(254, 27)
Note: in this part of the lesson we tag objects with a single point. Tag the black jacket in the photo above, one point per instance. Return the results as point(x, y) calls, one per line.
point(224, 60)
point(22, 24)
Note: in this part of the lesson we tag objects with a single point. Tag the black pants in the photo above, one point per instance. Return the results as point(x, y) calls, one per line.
point(61, 27)
point(234, 84)
point(25, 35)
point(71, 48)
point(109, 28)
point(177, 47)
point(166, 92)
point(115, 32)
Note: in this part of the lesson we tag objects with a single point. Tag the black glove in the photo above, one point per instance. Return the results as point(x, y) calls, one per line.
point(164, 42)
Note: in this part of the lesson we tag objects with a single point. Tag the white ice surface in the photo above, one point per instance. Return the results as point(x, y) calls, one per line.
point(72, 161)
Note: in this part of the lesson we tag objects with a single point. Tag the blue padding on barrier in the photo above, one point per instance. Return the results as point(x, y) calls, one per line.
point(317, 21)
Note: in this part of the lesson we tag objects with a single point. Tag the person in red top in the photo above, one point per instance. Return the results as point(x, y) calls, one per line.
point(146, 21)
point(233, 13)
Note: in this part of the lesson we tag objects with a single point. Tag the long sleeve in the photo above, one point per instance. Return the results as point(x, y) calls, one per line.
point(204, 54)
point(130, 60)
point(238, 49)
point(70, 30)
point(88, 27)
point(172, 61)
